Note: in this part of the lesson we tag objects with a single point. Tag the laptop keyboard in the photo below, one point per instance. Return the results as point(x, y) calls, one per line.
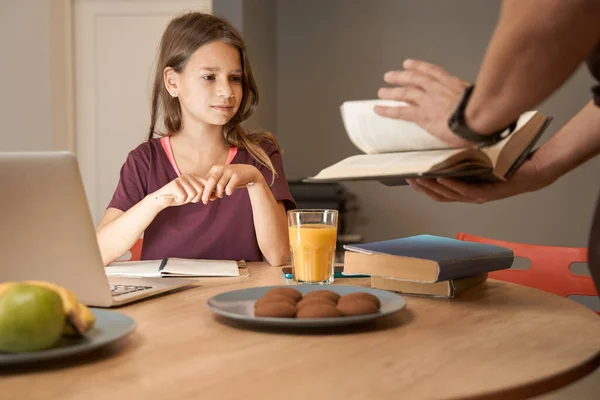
point(118, 290)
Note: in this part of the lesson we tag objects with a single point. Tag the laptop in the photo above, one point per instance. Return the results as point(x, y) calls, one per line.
point(47, 233)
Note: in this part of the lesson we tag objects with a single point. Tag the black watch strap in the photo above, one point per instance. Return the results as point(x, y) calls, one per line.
point(458, 125)
point(596, 92)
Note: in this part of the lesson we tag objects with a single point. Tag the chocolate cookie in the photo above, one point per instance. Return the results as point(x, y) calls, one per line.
point(276, 310)
point(323, 293)
point(316, 310)
point(362, 296)
point(290, 292)
point(315, 300)
point(275, 298)
point(357, 306)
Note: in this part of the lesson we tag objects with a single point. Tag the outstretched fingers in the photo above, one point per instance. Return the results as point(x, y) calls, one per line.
point(427, 69)
point(407, 113)
point(434, 190)
point(445, 190)
point(426, 191)
point(415, 79)
point(408, 94)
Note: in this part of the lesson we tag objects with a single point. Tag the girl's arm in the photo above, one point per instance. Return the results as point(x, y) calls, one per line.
point(270, 223)
point(269, 216)
point(119, 230)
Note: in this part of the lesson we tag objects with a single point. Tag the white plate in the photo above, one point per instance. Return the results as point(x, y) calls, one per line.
point(110, 326)
point(239, 305)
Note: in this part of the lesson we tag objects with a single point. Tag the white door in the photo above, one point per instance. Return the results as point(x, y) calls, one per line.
point(115, 45)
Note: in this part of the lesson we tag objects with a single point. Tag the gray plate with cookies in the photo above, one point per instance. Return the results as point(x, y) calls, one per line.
point(308, 306)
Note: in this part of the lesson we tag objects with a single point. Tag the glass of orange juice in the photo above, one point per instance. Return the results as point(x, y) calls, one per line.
point(313, 235)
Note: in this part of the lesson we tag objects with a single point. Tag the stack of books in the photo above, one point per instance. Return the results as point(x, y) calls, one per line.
point(425, 264)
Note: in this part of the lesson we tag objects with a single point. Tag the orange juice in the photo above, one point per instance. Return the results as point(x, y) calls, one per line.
point(313, 249)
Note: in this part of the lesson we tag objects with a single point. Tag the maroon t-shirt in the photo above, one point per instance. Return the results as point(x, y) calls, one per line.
point(221, 230)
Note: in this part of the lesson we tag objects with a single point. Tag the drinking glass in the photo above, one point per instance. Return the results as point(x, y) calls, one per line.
point(313, 236)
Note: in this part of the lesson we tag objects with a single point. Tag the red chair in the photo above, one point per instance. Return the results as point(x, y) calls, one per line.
point(549, 267)
point(135, 252)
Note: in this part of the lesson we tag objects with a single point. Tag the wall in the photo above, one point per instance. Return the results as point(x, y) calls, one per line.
point(337, 50)
point(327, 52)
point(257, 20)
point(26, 101)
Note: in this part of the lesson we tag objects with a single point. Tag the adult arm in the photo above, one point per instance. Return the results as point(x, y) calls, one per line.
point(575, 143)
point(536, 46)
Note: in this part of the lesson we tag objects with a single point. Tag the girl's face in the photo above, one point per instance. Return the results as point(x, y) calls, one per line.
point(210, 86)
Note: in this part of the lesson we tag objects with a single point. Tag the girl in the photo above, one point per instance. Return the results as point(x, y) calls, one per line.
point(180, 189)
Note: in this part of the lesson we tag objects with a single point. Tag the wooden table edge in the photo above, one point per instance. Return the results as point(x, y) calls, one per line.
point(542, 386)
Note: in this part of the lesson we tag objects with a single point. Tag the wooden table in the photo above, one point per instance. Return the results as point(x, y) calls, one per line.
point(499, 341)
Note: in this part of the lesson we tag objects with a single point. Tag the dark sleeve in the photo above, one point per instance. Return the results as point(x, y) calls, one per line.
point(594, 248)
point(593, 63)
point(133, 181)
point(279, 188)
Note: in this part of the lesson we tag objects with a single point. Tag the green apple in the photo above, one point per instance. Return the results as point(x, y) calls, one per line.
point(31, 318)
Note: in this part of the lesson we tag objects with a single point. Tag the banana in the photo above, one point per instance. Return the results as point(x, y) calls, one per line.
point(79, 318)
point(86, 315)
point(4, 287)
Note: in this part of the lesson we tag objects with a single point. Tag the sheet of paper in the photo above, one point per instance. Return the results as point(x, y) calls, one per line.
point(141, 269)
point(191, 267)
point(373, 133)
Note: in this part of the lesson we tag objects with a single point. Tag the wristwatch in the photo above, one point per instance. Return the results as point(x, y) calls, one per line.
point(458, 125)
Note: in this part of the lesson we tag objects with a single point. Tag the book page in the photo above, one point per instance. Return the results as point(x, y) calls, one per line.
point(504, 153)
point(192, 267)
point(137, 269)
point(372, 133)
point(392, 164)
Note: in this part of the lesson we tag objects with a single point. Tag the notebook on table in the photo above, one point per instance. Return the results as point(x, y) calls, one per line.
point(177, 267)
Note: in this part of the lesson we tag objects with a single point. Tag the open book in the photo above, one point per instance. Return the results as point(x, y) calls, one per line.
point(176, 267)
point(396, 149)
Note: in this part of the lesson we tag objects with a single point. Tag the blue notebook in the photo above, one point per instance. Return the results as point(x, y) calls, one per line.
point(425, 258)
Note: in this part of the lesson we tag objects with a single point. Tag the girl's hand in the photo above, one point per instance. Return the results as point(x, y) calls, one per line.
point(528, 178)
point(187, 188)
point(224, 179)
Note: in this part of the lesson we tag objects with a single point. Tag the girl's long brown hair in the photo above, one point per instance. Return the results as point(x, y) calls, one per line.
point(183, 36)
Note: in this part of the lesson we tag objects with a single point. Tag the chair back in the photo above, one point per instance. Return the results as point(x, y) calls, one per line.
point(134, 253)
point(550, 267)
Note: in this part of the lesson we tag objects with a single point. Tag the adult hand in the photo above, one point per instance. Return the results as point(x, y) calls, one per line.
point(224, 179)
point(432, 95)
point(527, 178)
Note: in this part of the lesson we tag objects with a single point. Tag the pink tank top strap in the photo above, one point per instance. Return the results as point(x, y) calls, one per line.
point(166, 145)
